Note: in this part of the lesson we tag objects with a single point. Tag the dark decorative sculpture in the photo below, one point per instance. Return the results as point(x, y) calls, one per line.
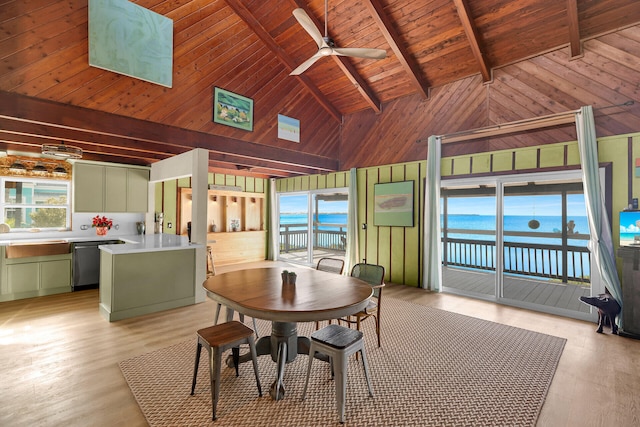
point(608, 310)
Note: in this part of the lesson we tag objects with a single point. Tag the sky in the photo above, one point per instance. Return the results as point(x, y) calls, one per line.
point(519, 205)
point(298, 203)
point(513, 205)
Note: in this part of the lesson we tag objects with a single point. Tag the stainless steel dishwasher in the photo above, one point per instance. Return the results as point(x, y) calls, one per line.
point(86, 263)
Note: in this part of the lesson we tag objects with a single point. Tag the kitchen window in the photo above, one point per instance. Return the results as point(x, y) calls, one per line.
point(29, 204)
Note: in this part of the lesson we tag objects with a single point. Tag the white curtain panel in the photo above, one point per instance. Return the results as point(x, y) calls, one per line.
point(352, 254)
point(601, 242)
point(432, 264)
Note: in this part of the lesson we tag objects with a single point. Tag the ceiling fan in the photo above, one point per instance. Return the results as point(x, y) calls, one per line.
point(326, 46)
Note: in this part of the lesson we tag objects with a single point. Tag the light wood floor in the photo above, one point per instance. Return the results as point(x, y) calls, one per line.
point(58, 360)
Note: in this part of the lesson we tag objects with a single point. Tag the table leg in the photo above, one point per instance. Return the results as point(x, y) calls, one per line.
point(283, 345)
point(277, 388)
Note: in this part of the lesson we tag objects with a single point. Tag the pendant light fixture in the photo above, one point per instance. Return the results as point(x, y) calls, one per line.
point(17, 166)
point(62, 151)
point(39, 169)
point(59, 170)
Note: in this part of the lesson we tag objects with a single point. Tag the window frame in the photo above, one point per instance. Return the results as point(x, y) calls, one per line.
point(5, 205)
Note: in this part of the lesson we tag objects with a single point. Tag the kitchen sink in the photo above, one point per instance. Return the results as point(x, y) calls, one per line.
point(32, 249)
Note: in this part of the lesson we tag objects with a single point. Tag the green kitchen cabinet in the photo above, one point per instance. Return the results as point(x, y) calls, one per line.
point(115, 189)
point(106, 188)
point(137, 189)
point(88, 187)
point(55, 274)
point(34, 276)
point(23, 277)
point(134, 284)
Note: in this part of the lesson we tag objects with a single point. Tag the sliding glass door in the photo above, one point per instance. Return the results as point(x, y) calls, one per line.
point(312, 225)
point(520, 239)
point(546, 260)
point(468, 224)
point(293, 217)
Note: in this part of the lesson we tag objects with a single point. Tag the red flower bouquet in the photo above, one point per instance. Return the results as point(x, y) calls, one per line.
point(103, 221)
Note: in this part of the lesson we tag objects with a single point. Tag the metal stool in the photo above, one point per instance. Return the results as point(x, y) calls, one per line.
point(240, 315)
point(217, 339)
point(338, 342)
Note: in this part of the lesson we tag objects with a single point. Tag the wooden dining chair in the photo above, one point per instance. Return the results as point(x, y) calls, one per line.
point(332, 265)
point(374, 275)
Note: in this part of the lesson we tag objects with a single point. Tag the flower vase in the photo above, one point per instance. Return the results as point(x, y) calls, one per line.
point(102, 231)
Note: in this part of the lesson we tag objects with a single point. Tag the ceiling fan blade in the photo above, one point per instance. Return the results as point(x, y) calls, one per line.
point(309, 26)
point(360, 52)
point(306, 64)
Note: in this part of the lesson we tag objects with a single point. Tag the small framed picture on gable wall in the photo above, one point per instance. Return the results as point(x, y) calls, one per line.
point(232, 109)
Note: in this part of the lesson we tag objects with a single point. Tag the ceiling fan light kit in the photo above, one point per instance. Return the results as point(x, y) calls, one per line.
point(62, 151)
point(326, 45)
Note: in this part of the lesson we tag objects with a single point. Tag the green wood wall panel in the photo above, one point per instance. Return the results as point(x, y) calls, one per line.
point(250, 185)
point(462, 165)
point(614, 150)
point(158, 197)
point(370, 252)
point(573, 154)
point(502, 161)
point(445, 167)
point(219, 179)
point(331, 181)
point(526, 158)
point(313, 182)
point(552, 156)
point(361, 182)
point(184, 182)
point(242, 182)
point(481, 163)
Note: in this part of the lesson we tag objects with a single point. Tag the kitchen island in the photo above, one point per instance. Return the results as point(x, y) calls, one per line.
point(148, 273)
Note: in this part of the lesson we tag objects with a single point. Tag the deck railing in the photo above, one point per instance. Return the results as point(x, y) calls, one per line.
point(294, 237)
point(566, 263)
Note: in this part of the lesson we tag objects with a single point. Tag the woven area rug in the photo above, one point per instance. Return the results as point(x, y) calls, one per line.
point(435, 368)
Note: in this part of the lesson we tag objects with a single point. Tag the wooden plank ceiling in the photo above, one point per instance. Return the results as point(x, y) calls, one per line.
point(49, 93)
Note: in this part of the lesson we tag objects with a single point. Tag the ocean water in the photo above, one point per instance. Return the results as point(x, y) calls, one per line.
point(515, 223)
point(333, 221)
point(551, 226)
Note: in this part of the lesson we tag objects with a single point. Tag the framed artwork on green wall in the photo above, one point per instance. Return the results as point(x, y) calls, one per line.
point(393, 204)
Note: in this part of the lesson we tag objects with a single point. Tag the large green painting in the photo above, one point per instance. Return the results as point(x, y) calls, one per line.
point(393, 204)
point(131, 40)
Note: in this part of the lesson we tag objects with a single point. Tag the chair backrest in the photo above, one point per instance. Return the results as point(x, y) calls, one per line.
point(333, 265)
point(371, 273)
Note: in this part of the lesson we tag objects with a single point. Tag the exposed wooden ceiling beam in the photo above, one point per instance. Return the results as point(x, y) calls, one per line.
point(360, 84)
point(473, 35)
point(245, 14)
point(348, 68)
point(574, 28)
point(390, 33)
point(22, 116)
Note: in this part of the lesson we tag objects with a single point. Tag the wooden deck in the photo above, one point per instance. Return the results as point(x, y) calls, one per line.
point(564, 298)
point(539, 292)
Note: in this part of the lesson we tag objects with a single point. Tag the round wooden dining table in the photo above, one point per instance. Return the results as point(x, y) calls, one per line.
point(261, 293)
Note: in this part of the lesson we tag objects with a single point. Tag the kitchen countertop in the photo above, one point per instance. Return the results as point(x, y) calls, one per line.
point(150, 243)
point(132, 243)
